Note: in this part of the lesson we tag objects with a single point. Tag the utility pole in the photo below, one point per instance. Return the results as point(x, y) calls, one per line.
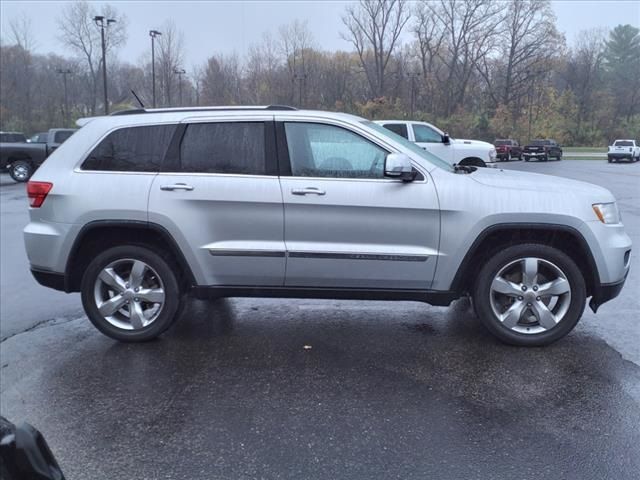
point(179, 72)
point(153, 34)
point(64, 72)
point(103, 23)
point(302, 80)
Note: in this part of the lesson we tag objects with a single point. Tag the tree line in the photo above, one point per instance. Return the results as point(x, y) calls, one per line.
point(476, 68)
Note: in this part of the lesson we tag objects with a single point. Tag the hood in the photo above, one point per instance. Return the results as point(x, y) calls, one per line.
point(472, 142)
point(536, 182)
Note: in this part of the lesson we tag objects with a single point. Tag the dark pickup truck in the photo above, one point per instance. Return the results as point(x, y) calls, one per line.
point(21, 159)
point(507, 149)
point(543, 150)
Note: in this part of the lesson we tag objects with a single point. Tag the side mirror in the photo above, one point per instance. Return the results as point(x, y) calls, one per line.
point(445, 139)
point(398, 165)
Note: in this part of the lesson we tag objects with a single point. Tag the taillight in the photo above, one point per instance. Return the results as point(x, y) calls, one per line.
point(37, 192)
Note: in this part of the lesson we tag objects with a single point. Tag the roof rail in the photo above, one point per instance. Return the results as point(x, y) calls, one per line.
point(134, 111)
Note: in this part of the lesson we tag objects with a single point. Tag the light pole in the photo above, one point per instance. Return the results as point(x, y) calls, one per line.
point(413, 76)
point(179, 72)
point(153, 34)
point(103, 23)
point(64, 72)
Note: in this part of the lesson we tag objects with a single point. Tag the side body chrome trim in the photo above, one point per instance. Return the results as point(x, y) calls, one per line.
point(319, 255)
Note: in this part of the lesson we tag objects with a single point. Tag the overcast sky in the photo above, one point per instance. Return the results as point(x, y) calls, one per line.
point(224, 27)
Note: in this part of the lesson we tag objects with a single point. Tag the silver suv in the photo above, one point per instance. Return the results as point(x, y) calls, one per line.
point(139, 208)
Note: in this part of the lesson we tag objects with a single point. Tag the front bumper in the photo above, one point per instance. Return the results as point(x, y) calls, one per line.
point(605, 292)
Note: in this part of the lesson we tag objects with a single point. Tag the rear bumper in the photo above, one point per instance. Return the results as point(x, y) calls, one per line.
point(54, 280)
point(605, 292)
point(620, 156)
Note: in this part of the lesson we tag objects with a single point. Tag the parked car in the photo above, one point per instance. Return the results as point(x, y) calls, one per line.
point(12, 137)
point(435, 141)
point(624, 149)
point(137, 209)
point(21, 159)
point(542, 149)
point(508, 149)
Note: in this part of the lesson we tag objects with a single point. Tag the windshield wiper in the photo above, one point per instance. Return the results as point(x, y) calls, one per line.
point(464, 168)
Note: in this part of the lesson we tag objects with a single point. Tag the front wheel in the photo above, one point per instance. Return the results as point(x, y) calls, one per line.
point(529, 294)
point(130, 293)
point(21, 170)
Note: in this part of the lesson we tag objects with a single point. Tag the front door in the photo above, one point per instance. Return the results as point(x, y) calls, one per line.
point(346, 225)
point(219, 197)
point(431, 140)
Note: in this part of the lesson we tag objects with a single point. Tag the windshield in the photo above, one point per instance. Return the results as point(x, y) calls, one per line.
point(499, 143)
point(422, 153)
point(623, 143)
point(541, 142)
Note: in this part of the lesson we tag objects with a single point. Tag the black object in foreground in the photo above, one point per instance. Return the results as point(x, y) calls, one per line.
point(25, 455)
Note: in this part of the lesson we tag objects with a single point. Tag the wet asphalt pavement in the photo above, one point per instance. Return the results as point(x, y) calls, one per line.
point(386, 390)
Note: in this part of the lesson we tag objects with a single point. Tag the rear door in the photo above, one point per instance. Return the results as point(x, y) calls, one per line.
point(219, 196)
point(346, 225)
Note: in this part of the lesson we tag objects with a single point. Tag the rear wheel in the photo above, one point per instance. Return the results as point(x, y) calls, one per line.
point(529, 295)
point(130, 293)
point(21, 170)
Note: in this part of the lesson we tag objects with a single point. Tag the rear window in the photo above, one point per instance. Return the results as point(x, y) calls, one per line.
point(397, 128)
point(623, 143)
point(12, 138)
point(224, 147)
point(131, 149)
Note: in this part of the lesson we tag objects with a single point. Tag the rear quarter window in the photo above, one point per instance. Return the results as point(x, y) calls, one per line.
point(131, 149)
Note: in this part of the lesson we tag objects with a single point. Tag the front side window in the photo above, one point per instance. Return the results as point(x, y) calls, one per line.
point(318, 150)
point(426, 134)
point(224, 147)
point(397, 128)
point(131, 149)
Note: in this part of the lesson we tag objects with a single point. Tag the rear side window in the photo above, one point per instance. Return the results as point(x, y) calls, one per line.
point(60, 137)
point(224, 147)
point(132, 149)
point(398, 128)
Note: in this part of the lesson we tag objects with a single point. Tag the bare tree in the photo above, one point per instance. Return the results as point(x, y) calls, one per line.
point(82, 36)
point(374, 28)
point(170, 56)
point(295, 42)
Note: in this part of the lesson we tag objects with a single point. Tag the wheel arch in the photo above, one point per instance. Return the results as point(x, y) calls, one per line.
point(496, 237)
point(99, 235)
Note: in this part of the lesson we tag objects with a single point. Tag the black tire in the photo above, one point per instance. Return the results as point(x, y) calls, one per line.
point(545, 158)
point(482, 288)
point(172, 293)
point(21, 170)
point(526, 159)
point(609, 159)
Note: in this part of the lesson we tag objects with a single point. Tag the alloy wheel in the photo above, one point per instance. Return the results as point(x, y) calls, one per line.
point(530, 295)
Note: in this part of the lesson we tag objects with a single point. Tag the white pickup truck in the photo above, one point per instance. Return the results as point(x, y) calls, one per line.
point(624, 149)
point(433, 140)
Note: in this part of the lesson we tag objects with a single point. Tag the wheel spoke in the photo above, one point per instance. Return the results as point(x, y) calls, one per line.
point(112, 305)
point(511, 317)
point(559, 286)
point(504, 286)
point(530, 271)
point(112, 279)
point(152, 295)
point(137, 273)
point(545, 317)
point(136, 316)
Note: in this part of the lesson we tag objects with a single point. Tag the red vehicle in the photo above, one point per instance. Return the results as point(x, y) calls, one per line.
point(507, 149)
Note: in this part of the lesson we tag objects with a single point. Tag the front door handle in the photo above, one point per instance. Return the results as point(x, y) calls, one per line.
point(176, 186)
point(307, 191)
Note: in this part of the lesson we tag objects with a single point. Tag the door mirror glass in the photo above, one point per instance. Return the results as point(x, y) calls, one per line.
point(398, 165)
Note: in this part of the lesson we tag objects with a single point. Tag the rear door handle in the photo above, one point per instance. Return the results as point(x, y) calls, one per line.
point(307, 191)
point(176, 186)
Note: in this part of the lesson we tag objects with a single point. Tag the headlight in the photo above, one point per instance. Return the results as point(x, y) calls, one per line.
point(492, 154)
point(607, 212)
